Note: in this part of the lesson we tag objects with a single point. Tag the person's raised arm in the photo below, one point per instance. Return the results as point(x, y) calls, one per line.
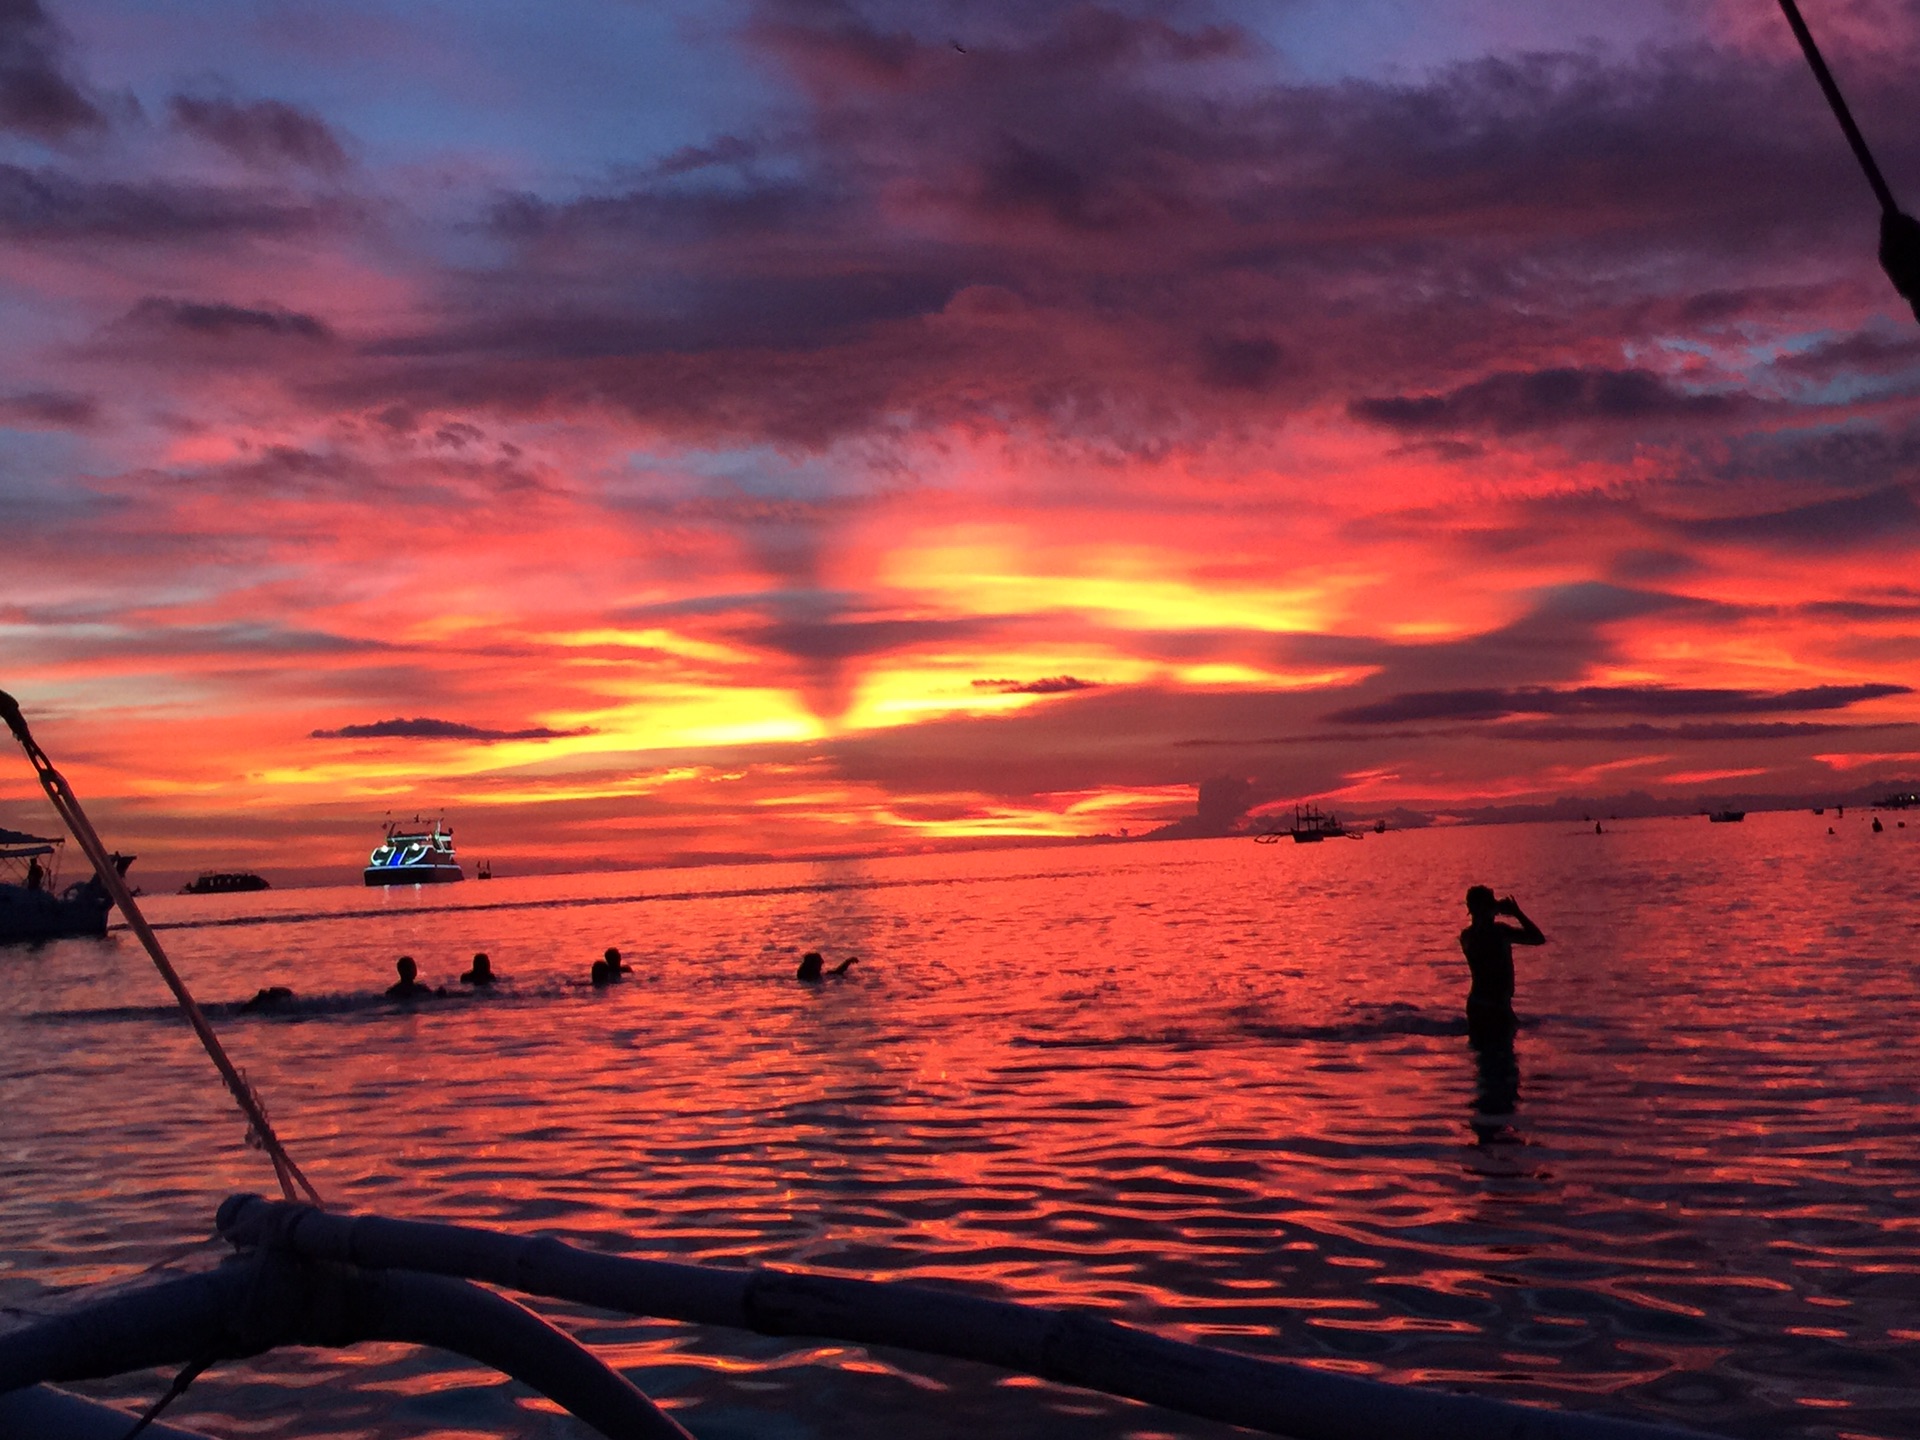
point(1528, 933)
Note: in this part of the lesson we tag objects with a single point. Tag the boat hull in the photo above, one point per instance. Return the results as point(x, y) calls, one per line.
point(413, 874)
point(30, 915)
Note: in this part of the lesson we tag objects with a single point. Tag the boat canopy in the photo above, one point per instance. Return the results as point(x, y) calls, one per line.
point(18, 845)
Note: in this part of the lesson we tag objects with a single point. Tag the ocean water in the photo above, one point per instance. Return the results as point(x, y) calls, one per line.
point(1215, 1089)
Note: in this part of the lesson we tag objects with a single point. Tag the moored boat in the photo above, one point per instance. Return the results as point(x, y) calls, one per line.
point(224, 882)
point(32, 907)
point(1310, 825)
point(1727, 817)
point(414, 853)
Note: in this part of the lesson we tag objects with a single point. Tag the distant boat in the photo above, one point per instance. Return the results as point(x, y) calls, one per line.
point(223, 882)
point(29, 907)
point(1899, 800)
point(1727, 817)
point(1309, 826)
point(1379, 827)
point(414, 853)
point(1819, 809)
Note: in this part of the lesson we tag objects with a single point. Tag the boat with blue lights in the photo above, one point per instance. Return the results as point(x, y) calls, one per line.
point(414, 853)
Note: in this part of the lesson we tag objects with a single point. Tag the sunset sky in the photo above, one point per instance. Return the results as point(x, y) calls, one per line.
point(646, 432)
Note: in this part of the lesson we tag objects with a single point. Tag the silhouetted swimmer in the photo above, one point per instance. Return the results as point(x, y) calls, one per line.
point(408, 987)
point(1597, 828)
point(812, 963)
point(617, 969)
point(1488, 946)
point(482, 971)
point(270, 998)
point(1877, 826)
point(601, 975)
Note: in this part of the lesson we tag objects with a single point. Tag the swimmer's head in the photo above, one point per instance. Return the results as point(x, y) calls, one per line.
point(481, 964)
point(600, 972)
point(612, 958)
point(406, 967)
point(810, 964)
point(1480, 902)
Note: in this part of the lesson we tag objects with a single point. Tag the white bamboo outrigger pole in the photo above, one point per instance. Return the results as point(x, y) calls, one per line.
point(67, 804)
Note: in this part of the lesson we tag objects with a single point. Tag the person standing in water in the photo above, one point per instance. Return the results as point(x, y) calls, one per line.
point(1488, 946)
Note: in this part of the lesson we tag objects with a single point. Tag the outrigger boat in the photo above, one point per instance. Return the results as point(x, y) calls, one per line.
point(1309, 827)
point(414, 853)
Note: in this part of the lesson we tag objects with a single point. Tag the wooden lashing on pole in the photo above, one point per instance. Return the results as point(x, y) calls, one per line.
point(108, 875)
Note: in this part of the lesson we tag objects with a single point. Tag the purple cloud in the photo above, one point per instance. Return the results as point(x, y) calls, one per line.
point(423, 728)
point(266, 133)
point(1048, 685)
point(37, 96)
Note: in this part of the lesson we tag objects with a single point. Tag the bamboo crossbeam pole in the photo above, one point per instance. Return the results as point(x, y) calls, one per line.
point(67, 804)
point(245, 1309)
point(1070, 1348)
point(1838, 104)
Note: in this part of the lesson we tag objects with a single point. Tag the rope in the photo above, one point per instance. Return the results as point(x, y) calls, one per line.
point(178, 1388)
point(107, 872)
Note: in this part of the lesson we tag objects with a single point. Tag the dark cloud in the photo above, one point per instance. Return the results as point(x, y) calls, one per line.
point(218, 320)
point(1885, 515)
point(725, 151)
point(1251, 362)
point(712, 313)
point(37, 95)
point(1707, 732)
point(1869, 610)
point(1221, 805)
point(427, 729)
point(50, 205)
point(1871, 352)
point(1561, 637)
point(1073, 225)
point(835, 639)
point(84, 637)
point(1825, 457)
point(49, 410)
point(266, 133)
point(1511, 402)
point(1048, 685)
point(1494, 704)
point(1653, 563)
